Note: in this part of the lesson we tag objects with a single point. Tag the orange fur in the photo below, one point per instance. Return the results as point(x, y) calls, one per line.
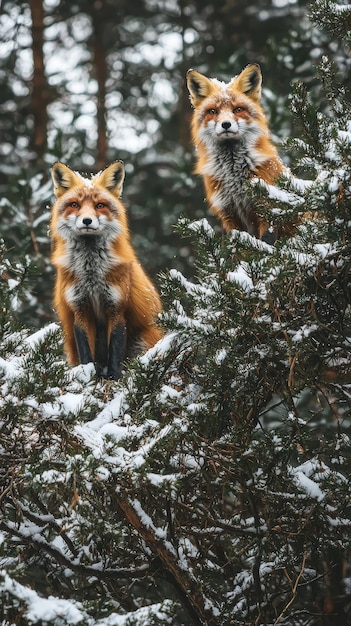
point(231, 135)
point(99, 281)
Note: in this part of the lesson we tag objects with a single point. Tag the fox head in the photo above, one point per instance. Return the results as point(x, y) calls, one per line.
point(248, 82)
point(227, 111)
point(88, 207)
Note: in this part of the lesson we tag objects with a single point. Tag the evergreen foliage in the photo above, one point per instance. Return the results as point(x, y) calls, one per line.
point(210, 485)
point(333, 17)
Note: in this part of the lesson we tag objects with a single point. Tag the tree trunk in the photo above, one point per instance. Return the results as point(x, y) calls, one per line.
point(100, 66)
point(184, 108)
point(39, 87)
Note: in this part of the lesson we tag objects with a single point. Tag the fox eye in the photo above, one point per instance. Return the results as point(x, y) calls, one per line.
point(239, 109)
point(100, 205)
point(74, 205)
point(212, 112)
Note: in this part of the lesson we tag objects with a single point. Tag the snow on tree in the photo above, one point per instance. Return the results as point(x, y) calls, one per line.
point(211, 484)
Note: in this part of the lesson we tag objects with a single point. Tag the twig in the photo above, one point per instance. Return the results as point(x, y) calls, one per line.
point(294, 591)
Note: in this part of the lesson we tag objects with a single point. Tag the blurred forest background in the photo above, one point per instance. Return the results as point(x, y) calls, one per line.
point(88, 82)
point(211, 484)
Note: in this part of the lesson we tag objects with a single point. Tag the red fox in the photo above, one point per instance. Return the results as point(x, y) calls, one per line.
point(104, 300)
point(230, 132)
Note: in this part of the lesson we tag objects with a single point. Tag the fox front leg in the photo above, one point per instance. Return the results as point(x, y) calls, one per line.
point(117, 350)
point(82, 343)
point(101, 349)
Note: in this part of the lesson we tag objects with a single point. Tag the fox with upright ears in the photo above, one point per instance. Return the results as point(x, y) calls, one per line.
point(104, 300)
point(230, 132)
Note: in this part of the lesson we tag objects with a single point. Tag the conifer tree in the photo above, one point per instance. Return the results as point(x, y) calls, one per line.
point(211, 484)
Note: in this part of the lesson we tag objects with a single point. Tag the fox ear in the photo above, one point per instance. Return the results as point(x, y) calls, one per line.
point(199, 86)
point(64, 178)
point(249, 82)
point(112, 178)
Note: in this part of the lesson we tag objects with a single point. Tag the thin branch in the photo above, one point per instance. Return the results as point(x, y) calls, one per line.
point(42, 545)
point(294, 590)
point(200, 607)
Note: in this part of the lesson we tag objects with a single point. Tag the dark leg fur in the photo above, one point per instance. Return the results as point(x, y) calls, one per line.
point(269, 236)
point(106, 366)
point(83, 347)
point(117, 349)
point(101, 349)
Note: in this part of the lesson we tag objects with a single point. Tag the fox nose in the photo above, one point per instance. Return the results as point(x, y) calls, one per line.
point(87, 221)
point(226, 125)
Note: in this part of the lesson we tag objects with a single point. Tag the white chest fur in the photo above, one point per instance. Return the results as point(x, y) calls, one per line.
point(230, 164)
point(91, 259)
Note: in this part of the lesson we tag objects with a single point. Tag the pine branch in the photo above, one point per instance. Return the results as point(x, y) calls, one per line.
point(333, 18)
point(200, 606)
point(34, 537)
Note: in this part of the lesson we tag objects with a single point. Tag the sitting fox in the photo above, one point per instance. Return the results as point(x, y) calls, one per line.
point(104, 300)
point(230, 132)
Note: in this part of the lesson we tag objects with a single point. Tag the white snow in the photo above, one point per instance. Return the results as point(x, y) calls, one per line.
point(43, 609)
point(304, 332)
point(276, 193)
point(69, 612)
point(40, 335)
point(159, 349)
point(160, 533)
point(241, 276)
point(202, 224)
point(308, 485)
point(220, 356)
point(307, 475)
